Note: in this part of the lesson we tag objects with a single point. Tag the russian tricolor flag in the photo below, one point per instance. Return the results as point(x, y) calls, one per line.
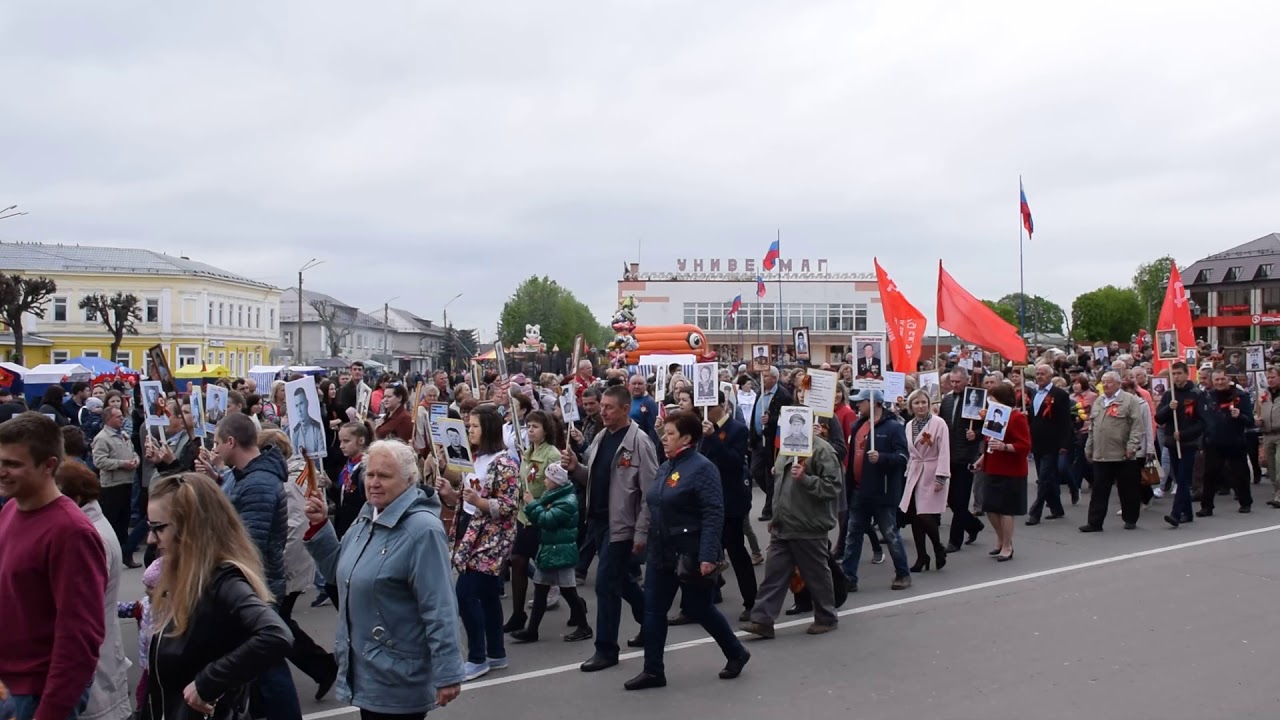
point(771, 257)
point(759, 286)
point(1026, 211)
point(737, 305)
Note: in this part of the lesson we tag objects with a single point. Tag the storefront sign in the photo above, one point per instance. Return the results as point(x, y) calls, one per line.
point(749, 265)
point(1234, 308)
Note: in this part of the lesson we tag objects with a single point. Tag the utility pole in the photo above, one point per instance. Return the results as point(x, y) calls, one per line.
point(448, 336)
point(386, 325)
point(297, 358)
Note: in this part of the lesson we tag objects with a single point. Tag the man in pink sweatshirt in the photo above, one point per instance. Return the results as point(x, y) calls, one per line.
point(53, 577)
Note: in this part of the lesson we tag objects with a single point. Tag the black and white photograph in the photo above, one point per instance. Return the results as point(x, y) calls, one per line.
point(800, 335)
point(501, 354)
point(457, 450)
point(1159, 386)
point(1100, 354)
point(869, 351)
point(1260, 380)
point(364, 395)
point(706, 385)
point(568, 404)
point(795, 426)
point(1191, 356)
point(974, 399)
point(197, 410)
point(215, 406)
point(158, 366)
point(977, 356)
point(929, 384)
point(759, 358)
point(579, 344)
point(997, 421)
point(306, 430)
point(154, 403)
point(1255, 358)
point(1167, 344)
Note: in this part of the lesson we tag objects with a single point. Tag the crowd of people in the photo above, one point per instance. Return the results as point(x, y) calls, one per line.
point(417, 553)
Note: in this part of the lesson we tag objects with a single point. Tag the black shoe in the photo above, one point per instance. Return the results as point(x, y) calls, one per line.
point(579, 634)
point(797, 610)
point(733, 668)
point(597, 663)
point(1131, 526)
point(993, 553)
point(321, 600)
point(524, 635)
point(324, 686)
point(132, 564)
point(745, 616)
point(1090, 528)
point(765, 517)
point(973, 536)
point(1272, 503)
point(516, 622)
point(853, 588)
point(941, 554)
point(952, 547)
point(1245, 509)
point(1059, 516)
point(637, 641)
point(1172, 520)
point(922, 564)
point(1204, 513)
point(680, 619)
point(1005, 558)
point(1075, 496)
point(644, 681)
point(1033, 521)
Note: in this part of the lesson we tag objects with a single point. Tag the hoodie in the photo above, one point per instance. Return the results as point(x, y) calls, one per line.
point(258, 495)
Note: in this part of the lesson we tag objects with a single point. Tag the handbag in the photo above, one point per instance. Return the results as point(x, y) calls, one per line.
point(1151, 473)
point(689, 571)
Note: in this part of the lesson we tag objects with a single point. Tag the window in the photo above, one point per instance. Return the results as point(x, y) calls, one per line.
point(59, 309)
point(152, 314)
point(288, 338)
point(124, 358)
point(257, 318)
point(222, 358)
point(222, 318)
point(1234, 302)
point(91, 353)
point(860, 318)
point(209, 357)
point(59, 356)
point(271, 317)
point(188, 356)
point(240, 316)
point(1204, 276)
point(90, 315)
point(1233, 273)
point(1270, 300)
point(211, 312)
point(1264, 272)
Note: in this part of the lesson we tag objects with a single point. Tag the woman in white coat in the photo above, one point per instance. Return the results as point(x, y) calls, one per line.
point(924, 497)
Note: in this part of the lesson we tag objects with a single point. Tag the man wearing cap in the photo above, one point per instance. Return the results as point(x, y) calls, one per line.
point(879, 476)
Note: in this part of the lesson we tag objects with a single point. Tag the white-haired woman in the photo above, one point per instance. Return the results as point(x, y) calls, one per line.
point(397, 635)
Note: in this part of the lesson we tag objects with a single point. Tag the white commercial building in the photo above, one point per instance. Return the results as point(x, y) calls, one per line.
point(833, 306)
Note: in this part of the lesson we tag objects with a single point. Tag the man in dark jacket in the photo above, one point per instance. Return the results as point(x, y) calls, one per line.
point(764, 433)
point(880, 475)
point(1052, 437)
point(258, 495)
point(1228, 413)
point(965, 450)
point(724, 443)
point(1183, 426)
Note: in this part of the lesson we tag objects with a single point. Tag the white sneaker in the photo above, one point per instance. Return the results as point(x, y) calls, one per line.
point(1156, 491)
point(475, 670)
point(497, 663)
point(553, 598)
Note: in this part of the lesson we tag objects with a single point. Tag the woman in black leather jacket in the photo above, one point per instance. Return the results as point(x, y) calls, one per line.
point(686, 515)
point(213, 629)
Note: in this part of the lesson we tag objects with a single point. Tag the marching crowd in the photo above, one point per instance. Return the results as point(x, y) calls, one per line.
point(417, 556)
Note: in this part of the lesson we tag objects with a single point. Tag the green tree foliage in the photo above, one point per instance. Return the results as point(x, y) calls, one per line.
point(1149, 283)
point(561, 316)
point(118, 313)
point(1042, 315)
point(1106, 314)
point(20, 295)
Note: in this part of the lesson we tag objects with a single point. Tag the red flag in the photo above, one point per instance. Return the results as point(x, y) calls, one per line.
point(1175, 314)
point(971, 321)
point(905, 324)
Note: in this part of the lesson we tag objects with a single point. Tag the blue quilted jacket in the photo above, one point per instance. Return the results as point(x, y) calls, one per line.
point(258, 495)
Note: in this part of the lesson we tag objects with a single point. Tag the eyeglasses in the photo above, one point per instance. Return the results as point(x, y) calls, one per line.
point(157, 528)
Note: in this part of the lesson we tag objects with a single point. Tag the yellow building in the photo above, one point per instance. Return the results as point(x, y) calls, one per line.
point(197, 312)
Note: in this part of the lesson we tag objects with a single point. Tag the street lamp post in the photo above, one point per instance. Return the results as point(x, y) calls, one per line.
point(448, 339)
point(310, 264)
point(386, 326)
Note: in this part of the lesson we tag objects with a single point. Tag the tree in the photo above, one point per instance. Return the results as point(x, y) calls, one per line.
point(1149, 282)
point(1042, 315)
point(20, 295)
point(561, 316)
point(334, 323)
point(1106, 314)
point(118, 313)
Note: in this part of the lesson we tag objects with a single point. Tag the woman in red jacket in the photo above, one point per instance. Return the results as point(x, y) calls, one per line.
point(1005, 466)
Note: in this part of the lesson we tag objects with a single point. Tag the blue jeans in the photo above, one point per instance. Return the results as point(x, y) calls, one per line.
point(615, 582)
point(660, 586)
point(276, 690)
point(24, 706)
point(1049, 475)
point(861, 518)
point(1181, 470)
point(480, 605)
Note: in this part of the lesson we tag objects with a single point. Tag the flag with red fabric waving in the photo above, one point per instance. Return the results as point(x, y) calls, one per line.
point(759, 286)
point(961, 313)
point(1025, 209)
point(771, 257)
point(1175, 314)
point(905, 325)
point(737, 305)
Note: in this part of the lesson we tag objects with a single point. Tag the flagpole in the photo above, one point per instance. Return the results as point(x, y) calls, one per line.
point(1022, 292)
point(782, 343)
point(937, 325)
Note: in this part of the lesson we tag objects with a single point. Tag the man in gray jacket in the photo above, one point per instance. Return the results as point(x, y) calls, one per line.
point(116, 461)
point(613, 469)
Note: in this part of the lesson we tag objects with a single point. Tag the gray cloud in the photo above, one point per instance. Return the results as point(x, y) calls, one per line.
point(426, 150)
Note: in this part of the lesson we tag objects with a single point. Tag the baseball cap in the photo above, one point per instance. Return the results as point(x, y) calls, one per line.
point(868, 395)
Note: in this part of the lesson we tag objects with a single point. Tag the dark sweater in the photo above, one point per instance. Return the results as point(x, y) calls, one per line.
point(53, 577)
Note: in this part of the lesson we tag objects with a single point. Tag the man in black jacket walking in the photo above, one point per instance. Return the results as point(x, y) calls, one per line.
point(724, 443)
point(1228, 413)
point(1052, 437)
point(1181, 437)
point(965, 451)
point(764, 431)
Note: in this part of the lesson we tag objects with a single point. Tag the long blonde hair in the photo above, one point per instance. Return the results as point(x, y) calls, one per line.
point(207, 534)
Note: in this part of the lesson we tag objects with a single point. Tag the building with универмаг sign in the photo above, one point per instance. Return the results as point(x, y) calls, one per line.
point(1237, 293)
point(834, 306)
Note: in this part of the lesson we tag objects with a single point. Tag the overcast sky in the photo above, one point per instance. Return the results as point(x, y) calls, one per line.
point(424, 150)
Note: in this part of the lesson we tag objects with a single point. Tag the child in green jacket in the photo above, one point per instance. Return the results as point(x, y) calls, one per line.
point(555, 515)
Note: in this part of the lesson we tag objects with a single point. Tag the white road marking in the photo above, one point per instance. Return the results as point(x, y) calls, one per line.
point(899, 602)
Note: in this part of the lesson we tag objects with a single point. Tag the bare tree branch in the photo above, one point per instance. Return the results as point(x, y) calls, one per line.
point(336, 330)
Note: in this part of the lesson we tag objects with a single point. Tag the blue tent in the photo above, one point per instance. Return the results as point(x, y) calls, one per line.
point(102, 366)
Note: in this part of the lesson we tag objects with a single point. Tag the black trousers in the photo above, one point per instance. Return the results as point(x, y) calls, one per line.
point(314, 661)
point(762, 473)
point(959, 495)
point(1126, 476)
point(115, 508)
point(735, 546)
point(1225, 468)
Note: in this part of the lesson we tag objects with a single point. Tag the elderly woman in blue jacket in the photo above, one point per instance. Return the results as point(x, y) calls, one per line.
point(397, 635)
point(686, 517)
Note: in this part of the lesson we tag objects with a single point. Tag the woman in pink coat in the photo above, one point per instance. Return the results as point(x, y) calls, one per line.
point(928, 472)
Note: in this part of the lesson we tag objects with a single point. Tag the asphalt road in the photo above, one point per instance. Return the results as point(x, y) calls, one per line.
point(1149, 623)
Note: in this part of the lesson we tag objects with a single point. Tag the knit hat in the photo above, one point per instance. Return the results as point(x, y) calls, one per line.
point(557, 475)
point(151, 576)
point(93, 403)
